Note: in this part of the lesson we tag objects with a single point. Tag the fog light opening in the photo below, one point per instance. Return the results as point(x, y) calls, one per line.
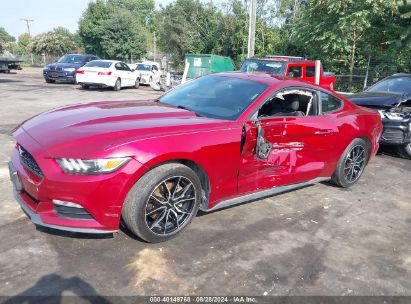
point(66, 204)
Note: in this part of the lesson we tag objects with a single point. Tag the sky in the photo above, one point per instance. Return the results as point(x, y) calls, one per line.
point(47, 14)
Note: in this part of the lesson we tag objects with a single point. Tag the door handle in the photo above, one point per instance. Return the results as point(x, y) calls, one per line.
point(324, 132)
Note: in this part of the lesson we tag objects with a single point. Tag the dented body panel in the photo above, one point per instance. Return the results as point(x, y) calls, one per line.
point(233, 158)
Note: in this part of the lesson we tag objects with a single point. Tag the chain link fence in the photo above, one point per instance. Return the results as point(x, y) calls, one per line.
point(36, 60)
point(363, 77)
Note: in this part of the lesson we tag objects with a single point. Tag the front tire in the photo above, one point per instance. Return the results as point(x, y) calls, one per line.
point(162, 203)
point(405, 151)
point(85, 86)
point(50, 81)
point(137, 83)
point(351, 164)
point(117, 85)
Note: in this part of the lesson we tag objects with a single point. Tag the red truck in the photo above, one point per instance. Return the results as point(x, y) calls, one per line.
point(289, 66)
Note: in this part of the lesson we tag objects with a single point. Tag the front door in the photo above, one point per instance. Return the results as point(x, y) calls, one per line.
point(288, 149)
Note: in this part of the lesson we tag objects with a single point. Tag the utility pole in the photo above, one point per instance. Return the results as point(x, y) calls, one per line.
point(28, 24)
point(251, 29)
point(155, 45)
point(28, 31)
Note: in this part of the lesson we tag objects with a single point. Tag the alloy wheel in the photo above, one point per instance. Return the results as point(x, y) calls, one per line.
point(354, 163)
point(170, 205)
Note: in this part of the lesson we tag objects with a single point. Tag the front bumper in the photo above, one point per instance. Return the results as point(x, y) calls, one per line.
point(101, 196)
point(59, 75)
point(395, 132)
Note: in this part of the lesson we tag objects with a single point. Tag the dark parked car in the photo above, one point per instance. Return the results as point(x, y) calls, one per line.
point(65, 68)
point(392, 98)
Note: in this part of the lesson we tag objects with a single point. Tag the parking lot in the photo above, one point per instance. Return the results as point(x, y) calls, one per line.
point(319, 240)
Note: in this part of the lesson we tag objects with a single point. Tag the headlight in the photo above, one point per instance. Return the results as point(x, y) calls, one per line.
point(69, 69)
point(91, 166)
point(46, 68)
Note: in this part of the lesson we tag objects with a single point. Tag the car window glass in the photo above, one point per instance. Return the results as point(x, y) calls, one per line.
point(290, 103)
point(216, 96)
point(329, 103)
point(155, 68)
point(98, 64)
point(254, 65)
point(294, 72)
point(310, 71)
point(396, 85)
point(125, 67)
point(118, 66)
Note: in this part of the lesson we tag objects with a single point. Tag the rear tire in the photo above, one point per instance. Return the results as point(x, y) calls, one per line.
point(351, 164)
point(162, 203)
point(117, 85)
point(85, 86)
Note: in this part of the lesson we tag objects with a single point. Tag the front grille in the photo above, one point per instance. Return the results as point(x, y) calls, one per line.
point(29, 162)
point(393, 135)
point(72, 213)
point(55, 69)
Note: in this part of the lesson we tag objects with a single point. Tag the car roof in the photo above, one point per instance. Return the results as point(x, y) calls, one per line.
point(284, 59)
point(399, 75)
point(80, 55)
point(266, 78)
point(104, 60)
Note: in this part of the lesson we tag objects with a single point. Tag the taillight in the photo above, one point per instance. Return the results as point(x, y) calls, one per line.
point(80, 71)
point(104, 73)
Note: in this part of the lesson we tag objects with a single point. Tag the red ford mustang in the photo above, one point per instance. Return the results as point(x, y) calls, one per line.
point(220, 140)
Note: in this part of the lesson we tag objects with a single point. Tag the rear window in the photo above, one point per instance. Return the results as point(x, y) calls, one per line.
point(98, 64)
point(143, 67)
point(329, 103)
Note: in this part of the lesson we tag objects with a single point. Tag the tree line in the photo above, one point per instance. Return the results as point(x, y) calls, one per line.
point(346, 31)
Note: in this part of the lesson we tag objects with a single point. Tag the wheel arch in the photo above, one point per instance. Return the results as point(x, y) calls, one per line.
point(193, 165)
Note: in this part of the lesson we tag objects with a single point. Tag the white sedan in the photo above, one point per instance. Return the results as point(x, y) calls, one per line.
point(107, 73)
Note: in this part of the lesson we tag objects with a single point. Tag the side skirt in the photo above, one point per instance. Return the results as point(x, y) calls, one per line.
point(263, 193)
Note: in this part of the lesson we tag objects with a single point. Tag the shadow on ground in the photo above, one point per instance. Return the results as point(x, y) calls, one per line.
point(50, 289)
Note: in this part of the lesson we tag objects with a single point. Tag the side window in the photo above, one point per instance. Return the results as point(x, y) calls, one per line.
point(290, 103)
point(118, 66)
point(295, 72)
point(329, 103)
point(155, 68)
point(125, 67)
point(310, 71)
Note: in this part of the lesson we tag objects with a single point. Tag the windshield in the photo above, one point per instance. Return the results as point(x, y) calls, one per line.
point(72, 59)
point(215, 96)
point(394, 85)
point(255, 65)
point(98, 64)
point(143, 67)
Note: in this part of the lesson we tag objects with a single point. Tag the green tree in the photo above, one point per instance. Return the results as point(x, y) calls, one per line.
point(23, 44)
point(94, 23)
point(123, 37)
point(338, 28)
point(6, 41)
point(52, 44)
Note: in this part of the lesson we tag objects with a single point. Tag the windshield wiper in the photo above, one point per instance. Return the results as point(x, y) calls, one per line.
point(185, 108)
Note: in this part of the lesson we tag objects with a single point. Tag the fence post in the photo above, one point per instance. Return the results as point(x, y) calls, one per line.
point(366, 72)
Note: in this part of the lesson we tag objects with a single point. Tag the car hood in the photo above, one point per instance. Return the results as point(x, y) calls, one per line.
point(65, 65)
point(91, 130)
point(376, 99)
